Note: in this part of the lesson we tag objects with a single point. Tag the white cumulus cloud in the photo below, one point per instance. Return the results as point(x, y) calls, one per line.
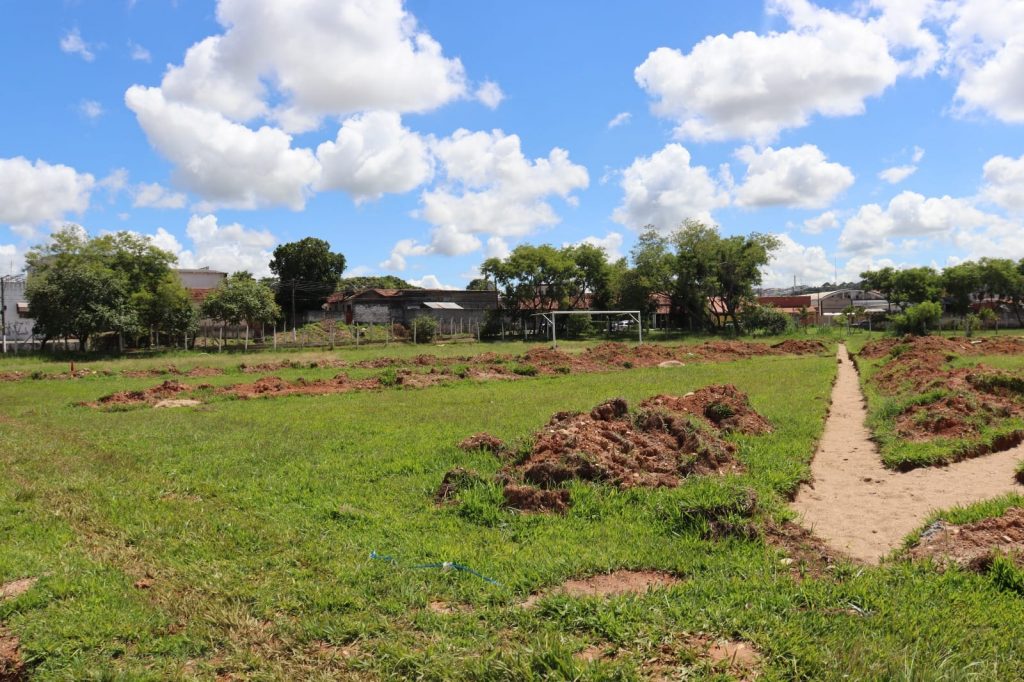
point(490, 94)
point(155, 195)
point(897, 174)
point(620, 119)
point(663, 190)
point(229, 248)
point(808, 264)
point(38, 192)
point(373, 155)
point(224, 162)
point(799, 177)
point(818, 224)
point(1004, 182)
point(754, 86)
point(323, 57)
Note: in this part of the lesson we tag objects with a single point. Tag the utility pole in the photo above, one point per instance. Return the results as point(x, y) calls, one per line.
point(294, 337)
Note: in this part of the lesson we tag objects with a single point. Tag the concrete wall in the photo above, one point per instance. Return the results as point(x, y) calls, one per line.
point(200, 279)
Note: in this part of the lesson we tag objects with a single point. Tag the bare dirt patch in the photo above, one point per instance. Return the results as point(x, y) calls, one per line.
point(609, 585)
point(12, 669)
point(275, 387)
point(973, 545)
point(455, 481)
point(165, 404)
point(529, 499)
point(16, 588)
point(680, 657)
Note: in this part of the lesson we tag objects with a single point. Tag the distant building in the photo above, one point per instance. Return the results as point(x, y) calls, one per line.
point(828, 304)
point(800, 308)
point(388, 306)
point(200, 282)
point(17, 319)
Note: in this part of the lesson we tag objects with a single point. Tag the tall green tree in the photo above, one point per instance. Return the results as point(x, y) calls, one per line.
point(960, 282)
point(532, 279)
point(307, 272)
point(166, 309)
point(241, 299)
point(83, 287)
point(1004, 279)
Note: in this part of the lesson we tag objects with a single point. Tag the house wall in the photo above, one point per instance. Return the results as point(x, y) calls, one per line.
point(200, 279)
point(18, 326)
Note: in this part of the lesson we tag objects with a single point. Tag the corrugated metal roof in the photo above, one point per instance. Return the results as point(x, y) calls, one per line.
point(443, 305)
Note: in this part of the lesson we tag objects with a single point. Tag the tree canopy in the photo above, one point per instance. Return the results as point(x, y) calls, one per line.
point(241, 299)
point(307, 272)
point(113, 283)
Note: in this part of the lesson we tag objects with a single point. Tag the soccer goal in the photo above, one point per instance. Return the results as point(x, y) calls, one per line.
point(633, 315)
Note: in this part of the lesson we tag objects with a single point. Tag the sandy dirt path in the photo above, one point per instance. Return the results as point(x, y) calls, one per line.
point(865, 510)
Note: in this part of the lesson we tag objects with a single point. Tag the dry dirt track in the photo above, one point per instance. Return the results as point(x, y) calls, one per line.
point(865, 510)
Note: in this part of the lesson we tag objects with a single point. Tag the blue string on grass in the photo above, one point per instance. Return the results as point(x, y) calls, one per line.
point(443, 565)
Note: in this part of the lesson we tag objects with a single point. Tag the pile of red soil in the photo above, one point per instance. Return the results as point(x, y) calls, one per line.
point(292, 364)
point(530, 499)
point(167, 389)
point(973, 545)
point(273, 387)
point(12, 668)
point(483, 441)
point(725, 407)
point(959, 345)
point(668, 439)
point(973, 397)
point(800, 347)
point(171, 369)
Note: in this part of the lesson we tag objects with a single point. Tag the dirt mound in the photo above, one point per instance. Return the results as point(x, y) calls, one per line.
point(669, 438)
point(952, 416)
point(807, 555)
point(272, 387)
point(164, 391)
point(455, 481)
point(725, 407)
point(609, 585)
point(960, 345)
point(973, 545)
point(12, 669)
point(800, 347)
point(483, 441)
point(529, 499)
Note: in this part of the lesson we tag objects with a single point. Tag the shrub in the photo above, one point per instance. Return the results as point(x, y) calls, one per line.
point(389, 377)
point(424, 329)
point(577, 326)
point(524, 370)
point(918, 319)
point(765, 320)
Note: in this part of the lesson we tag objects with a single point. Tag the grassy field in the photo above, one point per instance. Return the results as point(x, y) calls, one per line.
point(234, 539)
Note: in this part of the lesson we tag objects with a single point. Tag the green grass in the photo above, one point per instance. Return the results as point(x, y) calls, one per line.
point(253, 522)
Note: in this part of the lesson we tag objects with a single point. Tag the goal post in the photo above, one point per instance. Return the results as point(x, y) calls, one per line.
point(551, 315)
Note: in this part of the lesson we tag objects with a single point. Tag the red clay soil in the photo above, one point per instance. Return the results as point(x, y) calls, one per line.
point(724, 407)
point(952, 416)
point(275, 387)
point(807, 555)
point(483, 441)
point(973, 545)
point(12, 669)
point(167, 389)
point(800, 347)
point(960, 345)
point(669, 438)
point(529, 499)
point(171, 369)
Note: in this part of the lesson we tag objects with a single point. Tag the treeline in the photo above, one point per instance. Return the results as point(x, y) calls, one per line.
point(686, 268)
point(922, 293)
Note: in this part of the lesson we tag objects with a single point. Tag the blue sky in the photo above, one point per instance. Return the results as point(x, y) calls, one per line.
point(420, 137)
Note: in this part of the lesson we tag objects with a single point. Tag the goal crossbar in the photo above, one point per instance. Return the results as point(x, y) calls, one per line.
point(549, 316)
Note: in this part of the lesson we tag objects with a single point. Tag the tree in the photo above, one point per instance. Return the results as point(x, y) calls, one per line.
point(373, 282)
point(80, 286)
point(918, 319)
point(80, 298)
point(307, 271)
point(1003, 278)
point(880, 281)
point(531, 279)
point(590, 276)
point(480, 284)
point(166, 309)
point(960, 282)
point(240, 299)
point(652, 273)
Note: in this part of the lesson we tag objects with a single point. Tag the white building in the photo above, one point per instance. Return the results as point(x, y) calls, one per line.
point(16, 320)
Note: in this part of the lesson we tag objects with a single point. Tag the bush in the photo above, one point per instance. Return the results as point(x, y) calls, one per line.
point(765, 320)
point(524, 370)
point(918, 319)
point(424, 329)
point(577, 326)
